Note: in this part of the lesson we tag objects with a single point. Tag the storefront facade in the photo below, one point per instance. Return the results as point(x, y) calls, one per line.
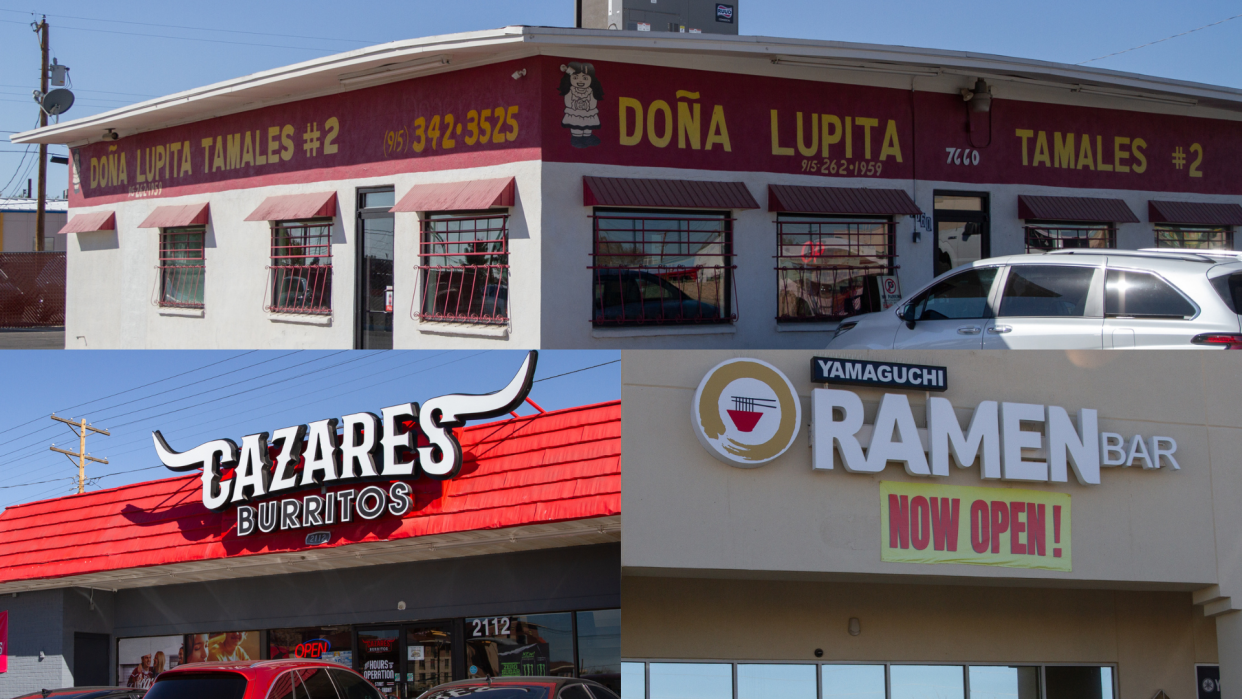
point(919, 524)
point(506, 565)
point(540, 187)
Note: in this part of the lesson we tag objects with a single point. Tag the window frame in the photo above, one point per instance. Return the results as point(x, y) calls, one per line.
point(166, 269)
point(425, 220)
point(1182, 229)
point(853, 238)
point(326, 269)
point(727, 305)
point(1030, 225)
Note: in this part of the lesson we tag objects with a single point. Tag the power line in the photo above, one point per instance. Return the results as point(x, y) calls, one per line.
point(205, 29)
point(105, 92)
point(575, 371)
point(1157, 41)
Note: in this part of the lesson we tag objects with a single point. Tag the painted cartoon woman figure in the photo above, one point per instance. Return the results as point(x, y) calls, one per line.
point(582, 93)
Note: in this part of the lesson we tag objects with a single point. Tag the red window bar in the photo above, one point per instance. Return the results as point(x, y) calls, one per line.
point(465, 268)
point(662, 269)
point(1056, 236)
point(1195, 237)
point(182, 268)
point(822, 265)
point(301, 267)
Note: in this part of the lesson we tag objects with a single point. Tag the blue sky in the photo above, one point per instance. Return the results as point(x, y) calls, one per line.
point(117, 55)
point(231, 394)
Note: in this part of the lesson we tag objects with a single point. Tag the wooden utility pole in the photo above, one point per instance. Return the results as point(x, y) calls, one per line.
point(41, 27)
point(80, 429)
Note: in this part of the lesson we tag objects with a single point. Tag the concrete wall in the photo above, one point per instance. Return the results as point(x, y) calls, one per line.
point(1155, 638)
point(113, 293)
point(36, 624)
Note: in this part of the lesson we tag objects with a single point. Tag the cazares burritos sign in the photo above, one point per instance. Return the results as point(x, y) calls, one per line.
point(368, 449)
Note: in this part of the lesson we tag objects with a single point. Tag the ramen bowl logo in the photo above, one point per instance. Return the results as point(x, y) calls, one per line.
point(746, 412)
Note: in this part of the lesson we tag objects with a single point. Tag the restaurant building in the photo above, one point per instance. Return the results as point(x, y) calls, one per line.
point(578, 188)
point(507, 566)
point(931, 525)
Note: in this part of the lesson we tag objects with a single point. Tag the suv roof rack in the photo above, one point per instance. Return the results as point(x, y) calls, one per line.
point(1226, 254)
point(1162, 254)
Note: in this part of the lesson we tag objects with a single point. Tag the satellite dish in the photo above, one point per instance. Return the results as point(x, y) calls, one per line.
point(57, 102)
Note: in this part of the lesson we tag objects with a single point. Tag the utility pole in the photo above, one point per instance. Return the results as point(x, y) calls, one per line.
point(41, 27)
point(80, 429)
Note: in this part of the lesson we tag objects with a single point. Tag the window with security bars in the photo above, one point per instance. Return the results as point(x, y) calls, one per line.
point(182, 267)
point(822, 264)
point(1195, 237)
point(301, 269)
point(1048, 236)
point(465, 267)
point(662, 268)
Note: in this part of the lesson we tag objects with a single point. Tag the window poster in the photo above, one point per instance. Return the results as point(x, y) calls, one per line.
point(533, 644)
point(140, 660)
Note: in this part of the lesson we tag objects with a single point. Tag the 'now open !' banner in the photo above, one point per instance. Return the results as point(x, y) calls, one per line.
point(1006, 527)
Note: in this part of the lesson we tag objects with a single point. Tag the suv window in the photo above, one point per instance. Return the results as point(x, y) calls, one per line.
point(352, 686)
point(964, 295)
point(603, 693)
point(1143, 295)
point(1046, 291)
point(205, 685)
point(1229, 286)
point(314, 684)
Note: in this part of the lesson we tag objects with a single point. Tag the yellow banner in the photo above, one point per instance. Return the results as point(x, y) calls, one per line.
point(925, 523)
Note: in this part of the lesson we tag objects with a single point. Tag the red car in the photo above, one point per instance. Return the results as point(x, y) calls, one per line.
point(262, 679)
point(521, 688)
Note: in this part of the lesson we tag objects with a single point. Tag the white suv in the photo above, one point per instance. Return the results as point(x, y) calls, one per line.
point(1067, 299)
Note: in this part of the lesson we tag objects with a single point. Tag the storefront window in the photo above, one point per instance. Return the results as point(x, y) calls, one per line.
point(465, 267)
point(182, 267)
point(1044, 237)
point(599, 647)
point(331, 643)
point(428, 658)
point(776, 680)
point(1079, 682)
point(1004, 682)
point(853, 681)
point(691, 680)
point(1195, 237)
point(530, 644)
point(662, 268)
point(633, 681)
point(823, 265)
point(301, 267)
point(928, 682)
point(141, 660)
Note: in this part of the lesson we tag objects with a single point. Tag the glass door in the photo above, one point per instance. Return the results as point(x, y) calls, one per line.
point(374, 284)
point(962, 235)
point(428, 656)
point(380, 659)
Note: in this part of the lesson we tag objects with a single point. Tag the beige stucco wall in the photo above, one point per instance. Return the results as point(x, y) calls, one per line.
point(1154, 638)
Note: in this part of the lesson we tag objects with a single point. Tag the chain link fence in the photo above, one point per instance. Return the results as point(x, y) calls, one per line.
point(32, 289)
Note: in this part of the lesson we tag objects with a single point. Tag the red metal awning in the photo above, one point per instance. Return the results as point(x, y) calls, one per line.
point(459, 196)
point(1092, 209)
point(840, 200)
point(176, 216)
point(87, 223)
point(294, 206)
point(1194, 213)
point(680, 194)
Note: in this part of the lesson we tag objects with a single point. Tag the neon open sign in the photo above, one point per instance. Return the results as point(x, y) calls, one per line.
point(312, 649)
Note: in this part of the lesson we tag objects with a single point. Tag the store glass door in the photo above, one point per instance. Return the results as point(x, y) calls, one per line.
point(379, 659)
point(962, 235)
point(374, 283)
point(405, 660)
point(428, 656)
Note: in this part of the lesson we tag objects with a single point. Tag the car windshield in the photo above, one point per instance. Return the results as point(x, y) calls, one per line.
point(483, 691)
point(204, 685)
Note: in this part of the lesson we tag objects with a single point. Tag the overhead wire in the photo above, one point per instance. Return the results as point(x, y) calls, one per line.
point(1157, 41)
point(62, 28)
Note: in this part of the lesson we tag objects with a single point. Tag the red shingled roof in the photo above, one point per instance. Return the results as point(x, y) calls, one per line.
point(552, 467)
